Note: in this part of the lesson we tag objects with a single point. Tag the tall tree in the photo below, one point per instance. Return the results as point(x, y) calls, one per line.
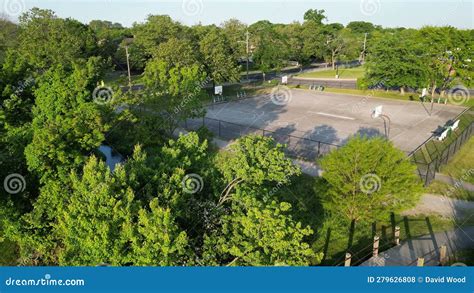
point(315, 15)
point(259, 234)
point(397, 60)
point(369, 178)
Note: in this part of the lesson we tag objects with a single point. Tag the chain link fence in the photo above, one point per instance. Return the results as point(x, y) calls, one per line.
point(296, 146)
point(433, 154)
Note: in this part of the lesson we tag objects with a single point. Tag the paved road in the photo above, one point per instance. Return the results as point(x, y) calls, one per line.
point(443, 206)
point(407, 253)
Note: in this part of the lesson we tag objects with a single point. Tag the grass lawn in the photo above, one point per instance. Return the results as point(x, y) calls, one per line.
point(438, 187)
point(233, 92)
point(120, 78)
point(353, 73)
point(334, 238)
point(461, 166)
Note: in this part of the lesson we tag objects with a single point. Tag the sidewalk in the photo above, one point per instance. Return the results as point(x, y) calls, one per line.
point(451, 181)
point(427, 246)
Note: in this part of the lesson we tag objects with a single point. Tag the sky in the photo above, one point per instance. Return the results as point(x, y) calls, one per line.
point(388, 13)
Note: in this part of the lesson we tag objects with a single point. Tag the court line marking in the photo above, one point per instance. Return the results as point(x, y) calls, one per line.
point(331, 115)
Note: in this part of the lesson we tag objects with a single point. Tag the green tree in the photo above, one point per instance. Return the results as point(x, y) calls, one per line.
point(217, 57)
point(252, 161)
point(315, 15)
point(46, 40)
point(270, 48)
point(369, 178)
point(67, 123)
point(259, 234)
point(8, 37)
point(397, 60)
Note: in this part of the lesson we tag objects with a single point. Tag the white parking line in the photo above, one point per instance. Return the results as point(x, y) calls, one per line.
point(332, 115)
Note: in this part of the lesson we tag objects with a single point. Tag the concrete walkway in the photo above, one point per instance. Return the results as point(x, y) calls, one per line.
point(443, 206)
point(457, 183)
point(407, 253)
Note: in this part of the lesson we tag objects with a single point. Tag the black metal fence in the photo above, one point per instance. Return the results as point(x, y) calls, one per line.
point(433, 154)
point(296, 146)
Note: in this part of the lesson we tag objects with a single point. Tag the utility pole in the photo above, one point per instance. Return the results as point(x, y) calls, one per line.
point(128, 68)
point(363, 52)
point(247, 45)
point(248, 51)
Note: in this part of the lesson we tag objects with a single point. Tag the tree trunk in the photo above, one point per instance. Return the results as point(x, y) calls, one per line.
point(333, 61)
point(402, 90)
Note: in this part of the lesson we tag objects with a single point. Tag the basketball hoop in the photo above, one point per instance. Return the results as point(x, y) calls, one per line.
point(377, 112)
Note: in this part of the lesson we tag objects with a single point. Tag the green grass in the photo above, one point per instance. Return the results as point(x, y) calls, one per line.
point(232, 92)
point(460, 165)
point(441, 188)
point(8, 253)
point(349, 73)
point(120, 78)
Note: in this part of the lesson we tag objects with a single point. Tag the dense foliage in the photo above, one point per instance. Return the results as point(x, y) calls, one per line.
point(176, 200)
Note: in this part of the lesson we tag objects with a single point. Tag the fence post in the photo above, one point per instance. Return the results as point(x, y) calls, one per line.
point(420, 262)
point(442, 255)
point(347, 262)
point(376, 245)
point(397, 235)
point(319, 149)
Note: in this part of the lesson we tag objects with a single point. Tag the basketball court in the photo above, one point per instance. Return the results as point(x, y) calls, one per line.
point(333, 118)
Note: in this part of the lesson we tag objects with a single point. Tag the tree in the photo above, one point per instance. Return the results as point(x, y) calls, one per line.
point(156, 30)
point(173, 94)
point(397, 60)
point(46, 40)
point(270, 48)
point(315, 15)
point(103, 223)
point(67, 123)
point(8, 37)
point(217, 58)
point(259, 234)
point(360, 27)
point(234, 31)
point(340, 44)
point(293, 33)
point(369, 178)
point(252, 161)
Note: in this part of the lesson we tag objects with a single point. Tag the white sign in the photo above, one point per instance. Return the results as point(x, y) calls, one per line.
point(424, 93)
point(218, 90)
point(377, 112)
point(284, 79)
